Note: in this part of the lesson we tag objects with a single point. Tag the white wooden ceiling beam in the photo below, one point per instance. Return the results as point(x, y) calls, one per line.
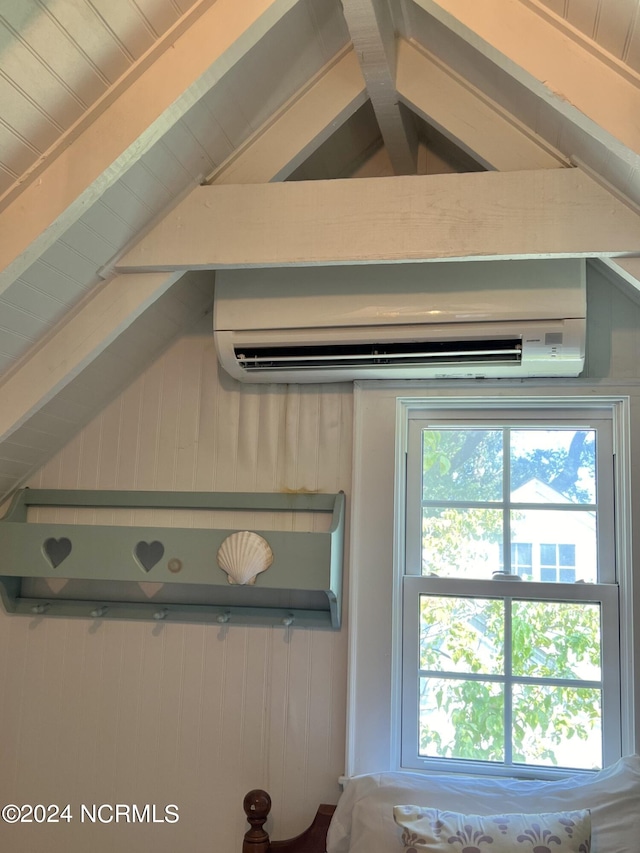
point(126, 122)
point(594, 95)
point(372, 33)
point(546, 213)
point(301, 126)
point(465, 116)
point(75, 343)
point(628, 269)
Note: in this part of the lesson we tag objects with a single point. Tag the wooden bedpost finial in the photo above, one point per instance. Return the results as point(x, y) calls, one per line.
point(257, 805)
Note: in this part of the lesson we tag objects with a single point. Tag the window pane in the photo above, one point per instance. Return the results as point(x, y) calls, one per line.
point(461, 542)
point(548, 555)
point(561, 539)
point(553, 466)
point(461, 634)
point(461, 719)
point(567, 555)
point(556, 639)
point(462, 464)
point(557, 726)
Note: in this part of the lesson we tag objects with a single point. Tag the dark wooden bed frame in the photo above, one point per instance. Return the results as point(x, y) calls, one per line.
point(257, 805)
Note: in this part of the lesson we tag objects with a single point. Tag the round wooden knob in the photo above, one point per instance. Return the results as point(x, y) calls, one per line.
point(257, 805)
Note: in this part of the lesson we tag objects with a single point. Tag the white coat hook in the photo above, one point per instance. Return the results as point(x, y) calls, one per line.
point(98, 612)
point(38, 609)
point(160, 614)
point(288, 620)
point(223, 618)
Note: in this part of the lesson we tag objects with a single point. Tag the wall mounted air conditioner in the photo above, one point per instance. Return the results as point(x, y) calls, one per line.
point(463, 320)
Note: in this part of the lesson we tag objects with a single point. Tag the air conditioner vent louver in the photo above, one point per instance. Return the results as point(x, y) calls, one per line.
point(391, 354)
point(462, 320)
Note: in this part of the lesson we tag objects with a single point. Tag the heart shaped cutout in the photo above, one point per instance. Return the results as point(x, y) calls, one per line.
point(56, 550)
point(148, 554)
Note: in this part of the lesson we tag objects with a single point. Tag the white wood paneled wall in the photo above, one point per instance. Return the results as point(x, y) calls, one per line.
point(185, 714)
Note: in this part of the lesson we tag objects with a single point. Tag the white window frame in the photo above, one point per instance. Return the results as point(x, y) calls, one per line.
point(605, 592)
point(377, 558)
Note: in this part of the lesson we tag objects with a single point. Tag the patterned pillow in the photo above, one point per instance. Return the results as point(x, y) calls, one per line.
point(435, 830)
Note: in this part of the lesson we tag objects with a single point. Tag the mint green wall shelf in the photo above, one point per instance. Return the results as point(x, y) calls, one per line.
point(103, 565)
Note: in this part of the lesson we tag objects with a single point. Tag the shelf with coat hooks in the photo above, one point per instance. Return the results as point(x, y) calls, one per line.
point(222, 576)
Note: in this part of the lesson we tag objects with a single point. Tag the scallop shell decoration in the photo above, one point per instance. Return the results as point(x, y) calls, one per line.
point(243, 556)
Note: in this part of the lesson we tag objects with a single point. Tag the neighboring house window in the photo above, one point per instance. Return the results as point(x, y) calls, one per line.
point(497, 670)
point(558, 563)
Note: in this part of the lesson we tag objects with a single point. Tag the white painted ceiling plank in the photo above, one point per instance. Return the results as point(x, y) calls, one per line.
point(38, 29)
point(606, 24)
point(373, 38)
point(304, 122)
point(76, 343)
point(469, 119)
point(544, 213)
point(575, 82)
point(124, 124)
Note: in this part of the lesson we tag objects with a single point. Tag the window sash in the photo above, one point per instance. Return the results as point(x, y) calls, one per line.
point(604, 594)
point(419, 420)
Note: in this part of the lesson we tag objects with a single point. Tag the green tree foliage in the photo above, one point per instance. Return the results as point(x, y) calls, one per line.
point(460, 635)
point(467, 464)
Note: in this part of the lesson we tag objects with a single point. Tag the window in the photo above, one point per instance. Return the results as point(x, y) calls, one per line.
point(558, 563)
point(496, 670)
point(541, 560)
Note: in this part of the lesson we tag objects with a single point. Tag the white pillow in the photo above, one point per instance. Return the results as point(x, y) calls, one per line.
point(437, 831)
point(363, 821)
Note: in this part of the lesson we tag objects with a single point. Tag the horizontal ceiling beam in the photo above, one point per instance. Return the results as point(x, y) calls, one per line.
point(76, 343)
point(598, 97)
point(548, 213)
point(300, 127)
point(469, 119)
point(126, 122)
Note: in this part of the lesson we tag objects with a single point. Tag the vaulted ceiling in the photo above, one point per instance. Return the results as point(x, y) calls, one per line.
point(138, 137)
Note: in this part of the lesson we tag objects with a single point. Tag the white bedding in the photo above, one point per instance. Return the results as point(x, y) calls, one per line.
point(363, 821)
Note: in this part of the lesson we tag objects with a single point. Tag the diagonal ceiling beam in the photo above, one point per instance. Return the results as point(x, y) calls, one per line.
point(302, 125)
point(472, 121)
point(75, 344)
point(372, 33)
point(547, 213)
point(309, 117)
point(126, 122)
point(628, 269)
point(596, 96)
